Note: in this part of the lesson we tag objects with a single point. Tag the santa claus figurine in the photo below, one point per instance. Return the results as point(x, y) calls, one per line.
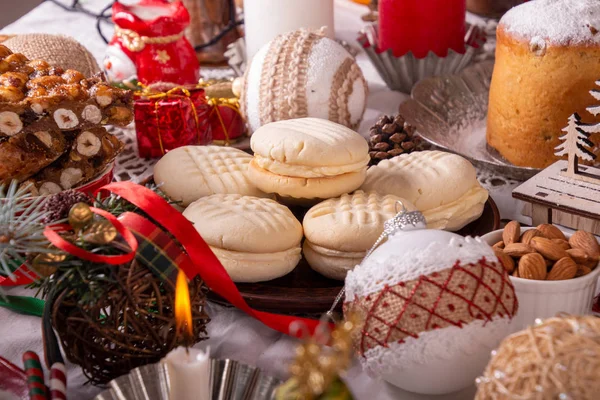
point(149, 44)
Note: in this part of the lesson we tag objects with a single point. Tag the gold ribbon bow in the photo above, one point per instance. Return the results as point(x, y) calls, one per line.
point(134, 42)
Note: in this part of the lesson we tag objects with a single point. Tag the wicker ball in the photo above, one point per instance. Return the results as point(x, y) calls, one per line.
point(130, 325)
point(556, 359)
point(58, 50)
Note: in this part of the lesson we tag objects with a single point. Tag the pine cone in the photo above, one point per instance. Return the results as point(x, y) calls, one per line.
point(390, 137)
point(57, 206)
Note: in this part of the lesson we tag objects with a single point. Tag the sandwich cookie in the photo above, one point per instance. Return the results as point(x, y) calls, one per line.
point(340, 231)
point(255, 239)
point(308, 158)
point(443, 186)
point(188, 173)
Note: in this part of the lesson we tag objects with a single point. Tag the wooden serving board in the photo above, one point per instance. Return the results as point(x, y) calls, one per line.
point(306, 292)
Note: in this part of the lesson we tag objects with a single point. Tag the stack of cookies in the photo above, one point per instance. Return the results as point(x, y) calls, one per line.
point(51, 133)
point(238, 202)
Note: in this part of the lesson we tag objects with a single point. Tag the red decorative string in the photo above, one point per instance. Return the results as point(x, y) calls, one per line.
point(51, 233)
point(204, 262)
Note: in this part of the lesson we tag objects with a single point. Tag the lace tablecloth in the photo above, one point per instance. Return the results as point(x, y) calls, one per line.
point(232, 333)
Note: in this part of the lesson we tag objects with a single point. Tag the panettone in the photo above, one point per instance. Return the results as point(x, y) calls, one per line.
point(547, 61)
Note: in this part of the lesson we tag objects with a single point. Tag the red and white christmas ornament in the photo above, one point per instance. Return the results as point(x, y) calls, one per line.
point(433, 305)
point(149, 44)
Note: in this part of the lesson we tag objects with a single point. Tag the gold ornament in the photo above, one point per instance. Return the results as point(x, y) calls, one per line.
point(316, 369)
point(100, 232)
point(80, 216)
point(43, 263)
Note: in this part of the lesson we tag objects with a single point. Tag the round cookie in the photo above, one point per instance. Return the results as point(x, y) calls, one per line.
point(255, 239)
point(308, 158)
point(188, 173)
point(340, 231)
point(442, 185)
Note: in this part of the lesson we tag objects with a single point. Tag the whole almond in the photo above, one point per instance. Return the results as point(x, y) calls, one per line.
point(499, 245)
point(548, 248)
point(582, 270)
point(578, 255)
point(511, 233)
point(518, 249)
point(562, 243)
point(530, 234)
point(565, 268)
point(532, 266)
point(586, 242)
point(549, 231)
point(507, 262)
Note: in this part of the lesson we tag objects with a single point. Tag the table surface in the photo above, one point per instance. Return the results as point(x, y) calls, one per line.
point(233, 334)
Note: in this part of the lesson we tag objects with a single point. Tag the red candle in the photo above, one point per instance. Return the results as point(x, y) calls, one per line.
point(422, 26)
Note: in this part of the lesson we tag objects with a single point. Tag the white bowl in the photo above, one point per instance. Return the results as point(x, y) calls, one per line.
point(544, 299)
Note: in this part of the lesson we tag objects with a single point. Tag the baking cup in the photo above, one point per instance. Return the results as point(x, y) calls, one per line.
point(401, 73)
point(228, 380)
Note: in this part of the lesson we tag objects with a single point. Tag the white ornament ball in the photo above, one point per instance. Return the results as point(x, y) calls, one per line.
point(434, 305)
point(303, 74)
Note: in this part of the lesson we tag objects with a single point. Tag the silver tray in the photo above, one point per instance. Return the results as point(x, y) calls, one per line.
point(229, 380)
point(450, 113)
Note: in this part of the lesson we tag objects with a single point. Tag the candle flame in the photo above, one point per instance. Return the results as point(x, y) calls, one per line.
point(183, 308)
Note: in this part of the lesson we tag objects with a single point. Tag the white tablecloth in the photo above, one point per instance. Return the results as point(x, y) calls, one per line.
point(232, 333)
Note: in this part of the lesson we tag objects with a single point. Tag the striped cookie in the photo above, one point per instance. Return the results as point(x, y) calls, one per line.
point(188, 173)
point(255, 239)
point(340, 231)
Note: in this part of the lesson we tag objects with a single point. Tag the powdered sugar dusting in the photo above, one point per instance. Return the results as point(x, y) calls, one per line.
point(560, 22)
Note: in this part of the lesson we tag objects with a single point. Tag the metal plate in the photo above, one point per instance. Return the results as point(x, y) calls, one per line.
point(450, 112)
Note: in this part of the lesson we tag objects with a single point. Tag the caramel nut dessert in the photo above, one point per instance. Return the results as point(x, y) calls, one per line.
point(545, 253)
point(50, 122)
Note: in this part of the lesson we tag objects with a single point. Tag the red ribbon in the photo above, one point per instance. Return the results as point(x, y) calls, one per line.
point(51, 233)
point(204, 262)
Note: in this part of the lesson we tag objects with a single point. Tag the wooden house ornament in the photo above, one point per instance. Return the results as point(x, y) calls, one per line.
point(566, 192)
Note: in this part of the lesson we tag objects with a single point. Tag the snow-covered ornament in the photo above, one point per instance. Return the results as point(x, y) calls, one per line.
point(303, 74)
point(433, 305)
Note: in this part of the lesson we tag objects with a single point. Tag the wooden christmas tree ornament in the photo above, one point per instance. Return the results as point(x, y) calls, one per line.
point(566, 192)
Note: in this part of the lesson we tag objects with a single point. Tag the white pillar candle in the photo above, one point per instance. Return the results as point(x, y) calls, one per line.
point(189, 374)
point(265, 19)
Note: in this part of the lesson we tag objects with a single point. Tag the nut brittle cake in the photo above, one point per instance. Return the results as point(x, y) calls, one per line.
point(51, 119)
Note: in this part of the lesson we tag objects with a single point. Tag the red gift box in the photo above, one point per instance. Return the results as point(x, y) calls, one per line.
point(167, 120)
point(226, 122)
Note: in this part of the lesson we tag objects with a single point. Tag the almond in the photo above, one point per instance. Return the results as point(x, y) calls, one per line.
point(499, 245)
point(565, 268)
point(586, 242)
point(562, 243)
point(548, 248)
point(532, 266)
point(549, 231)
point(582, 270)
point(530, 234)
point(511, 233)
point(518, 249)
point(516, 273)
point(578, 255)
point(507, 262)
